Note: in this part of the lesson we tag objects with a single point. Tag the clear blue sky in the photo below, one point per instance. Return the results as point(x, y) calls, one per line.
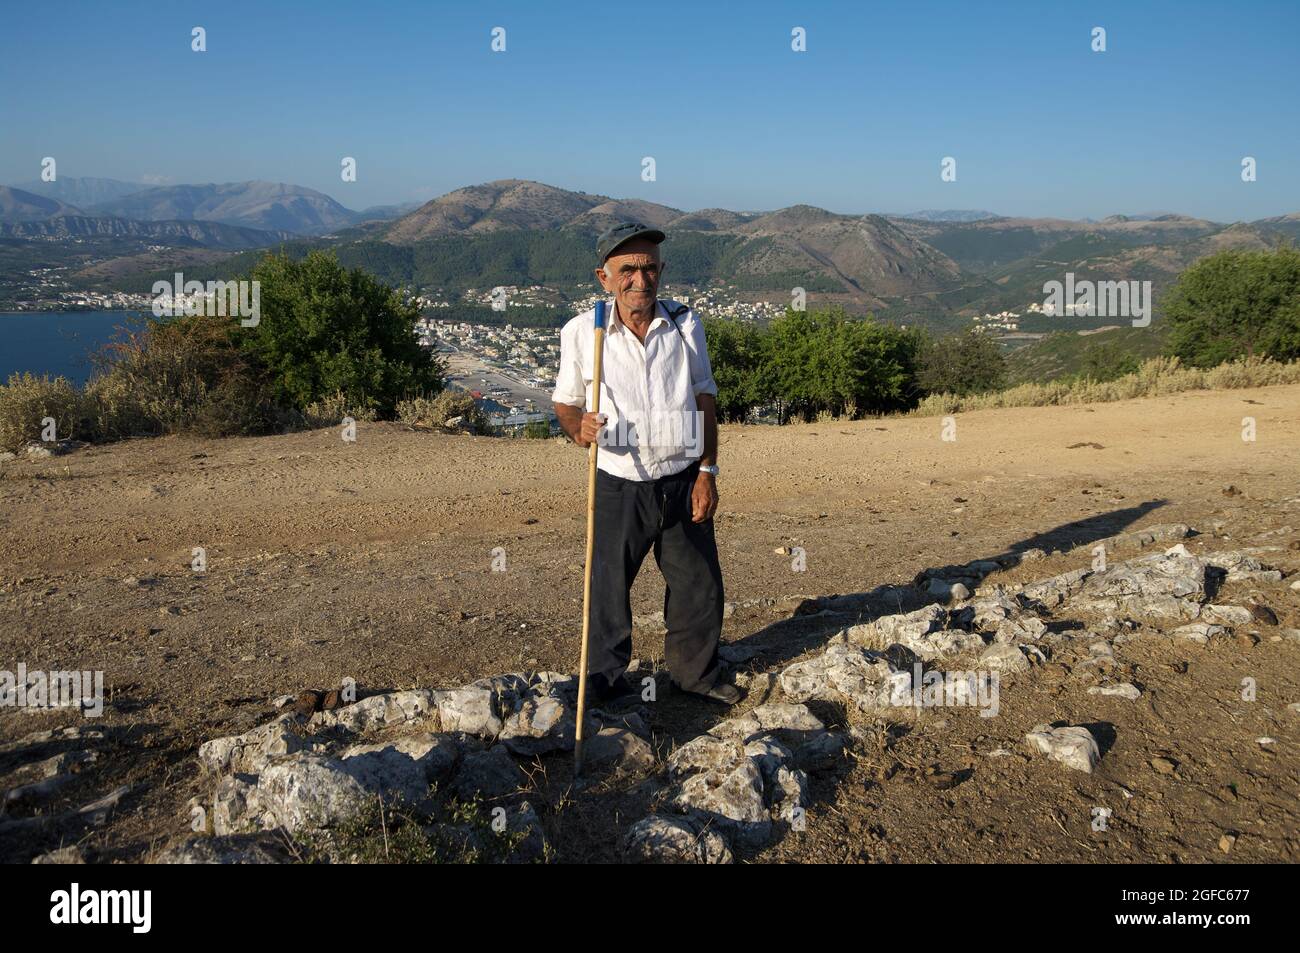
point(1039, 124)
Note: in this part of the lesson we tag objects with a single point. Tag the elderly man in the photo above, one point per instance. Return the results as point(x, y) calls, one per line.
point(656, 486)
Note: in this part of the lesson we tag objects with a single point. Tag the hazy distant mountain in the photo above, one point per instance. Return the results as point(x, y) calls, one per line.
point(271, 206)
point(17, 205)
point(82, 191)
point(989, 244)
point(180, 234)
point(384, 213)
point(950, 215)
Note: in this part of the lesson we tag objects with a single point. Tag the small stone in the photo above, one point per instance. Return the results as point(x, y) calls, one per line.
point(1023, 629)
point(674, 840)
point(1226, 615)
point(621, 749)
point(1001, 657)
point(1164, 765)
point(1263, 614)
point(1226, 842)
point(1073, 745)
point(1199, 632)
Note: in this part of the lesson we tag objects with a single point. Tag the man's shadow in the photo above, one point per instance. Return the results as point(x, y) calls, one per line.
point(816, 621)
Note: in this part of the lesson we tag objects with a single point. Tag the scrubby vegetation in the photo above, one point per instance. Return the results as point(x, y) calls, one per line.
point(437, 411)
point(329, 343)
point(1155, 377)
point(334, 343)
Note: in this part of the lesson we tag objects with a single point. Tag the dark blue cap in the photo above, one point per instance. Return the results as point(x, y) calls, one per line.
point(611, 238)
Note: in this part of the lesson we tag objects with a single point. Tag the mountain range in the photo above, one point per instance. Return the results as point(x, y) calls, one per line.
point(269, 206)
point(936, 261)
point(933, 265)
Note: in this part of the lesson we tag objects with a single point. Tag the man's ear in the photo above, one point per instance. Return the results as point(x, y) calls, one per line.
point(600, 277)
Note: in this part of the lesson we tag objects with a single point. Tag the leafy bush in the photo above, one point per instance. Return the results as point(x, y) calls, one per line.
point(1236, 304)
point(810, 363)
point(325, 330)
point(26, 400)
point(966, 363)
point(1107, 361)
point(736, 354)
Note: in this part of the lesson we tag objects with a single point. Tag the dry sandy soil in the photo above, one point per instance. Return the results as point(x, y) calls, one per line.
point(373, 561)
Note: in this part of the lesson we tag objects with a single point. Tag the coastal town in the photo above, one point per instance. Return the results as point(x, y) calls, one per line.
point(509, 365)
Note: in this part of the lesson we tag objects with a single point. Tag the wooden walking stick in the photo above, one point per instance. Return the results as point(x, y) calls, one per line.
point(591, 540)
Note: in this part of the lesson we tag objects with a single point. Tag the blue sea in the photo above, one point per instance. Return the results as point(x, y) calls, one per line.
point(58, 343)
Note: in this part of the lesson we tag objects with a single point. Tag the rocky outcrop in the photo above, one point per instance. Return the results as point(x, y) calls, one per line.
point(745, 781)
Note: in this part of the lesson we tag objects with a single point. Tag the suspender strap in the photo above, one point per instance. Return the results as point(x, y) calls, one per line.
point(673, 315)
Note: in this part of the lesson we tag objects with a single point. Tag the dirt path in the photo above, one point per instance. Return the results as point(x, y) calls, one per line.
point(374, 560)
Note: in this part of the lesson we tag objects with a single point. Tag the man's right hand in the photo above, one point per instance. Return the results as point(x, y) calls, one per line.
point(590, 429)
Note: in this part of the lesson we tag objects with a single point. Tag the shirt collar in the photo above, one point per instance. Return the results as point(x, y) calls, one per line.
point(615, 322)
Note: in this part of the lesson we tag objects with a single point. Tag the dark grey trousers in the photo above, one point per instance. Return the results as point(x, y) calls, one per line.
point(633, 517)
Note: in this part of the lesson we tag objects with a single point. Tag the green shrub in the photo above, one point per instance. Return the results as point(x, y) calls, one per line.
point(1236, 304)
point(1107, 361)
point(324, 330)
point(813, 363)
point(966, 363)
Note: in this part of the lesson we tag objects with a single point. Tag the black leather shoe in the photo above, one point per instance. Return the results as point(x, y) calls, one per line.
point(604, 691)
point(724, 693)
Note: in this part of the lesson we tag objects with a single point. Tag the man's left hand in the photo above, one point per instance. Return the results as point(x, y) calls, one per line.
point(704, 497)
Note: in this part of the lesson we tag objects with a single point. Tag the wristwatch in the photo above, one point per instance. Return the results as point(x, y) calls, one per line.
point(711, 470)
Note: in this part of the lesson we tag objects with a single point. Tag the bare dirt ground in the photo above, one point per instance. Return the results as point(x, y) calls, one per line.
point(373, 560)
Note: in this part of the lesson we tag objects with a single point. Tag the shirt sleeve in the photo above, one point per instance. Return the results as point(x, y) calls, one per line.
point(698, 354)
point(570, 388)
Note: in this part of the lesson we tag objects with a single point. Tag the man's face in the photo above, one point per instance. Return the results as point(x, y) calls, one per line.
point(632, 275)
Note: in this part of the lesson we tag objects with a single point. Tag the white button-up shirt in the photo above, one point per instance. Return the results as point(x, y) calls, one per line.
point(654, 427)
